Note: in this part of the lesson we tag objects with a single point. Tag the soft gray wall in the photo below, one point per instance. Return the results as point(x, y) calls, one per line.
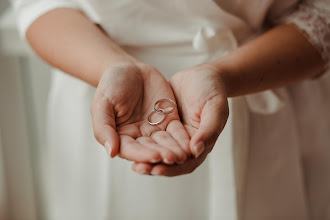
point(3, 5)
point(3, 195)
point(24, 81)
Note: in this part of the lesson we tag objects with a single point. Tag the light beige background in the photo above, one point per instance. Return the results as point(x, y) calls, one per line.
point(24, 85)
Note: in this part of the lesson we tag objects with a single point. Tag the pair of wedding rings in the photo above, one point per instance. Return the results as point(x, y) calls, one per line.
point(163, 111)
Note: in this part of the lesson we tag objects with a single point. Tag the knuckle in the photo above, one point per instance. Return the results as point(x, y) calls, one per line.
point(152, 134)
point(169, 155)
point(154, 154)
point(143, 139)
point(181, 152)
point(182, 156)
point(161, 134)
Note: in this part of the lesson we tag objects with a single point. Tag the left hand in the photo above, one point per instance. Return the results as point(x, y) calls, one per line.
point(123, 100)
point(202, 101)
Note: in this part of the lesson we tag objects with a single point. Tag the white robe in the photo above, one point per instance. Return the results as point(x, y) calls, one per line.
point(270, 162)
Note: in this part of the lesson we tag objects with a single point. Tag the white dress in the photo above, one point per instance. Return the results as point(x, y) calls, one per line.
point(270, 162)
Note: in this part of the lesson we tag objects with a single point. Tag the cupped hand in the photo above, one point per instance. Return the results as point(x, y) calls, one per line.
point(124, 98)
point(202, 101)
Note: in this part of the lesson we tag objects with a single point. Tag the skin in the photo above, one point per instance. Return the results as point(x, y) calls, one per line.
point(123, 100)
point(279, 57)
point(202, 102)
point(261, 64)
point(90, 55)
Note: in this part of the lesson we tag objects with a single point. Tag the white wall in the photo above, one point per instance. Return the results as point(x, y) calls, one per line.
point(3, 194)
point(4, 4)
point(24, 84)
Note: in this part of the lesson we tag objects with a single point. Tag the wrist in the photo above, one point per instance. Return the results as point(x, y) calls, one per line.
point(236, 76)
point(117, 60)
point(224, 75)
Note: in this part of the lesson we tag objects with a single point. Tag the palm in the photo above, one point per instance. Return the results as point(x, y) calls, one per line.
point(203, 108)
point(194, 89)
point(132, 93)
point(138, 90)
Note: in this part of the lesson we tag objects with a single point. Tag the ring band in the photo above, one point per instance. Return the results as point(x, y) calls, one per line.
point(159, 110)
point(158, 122)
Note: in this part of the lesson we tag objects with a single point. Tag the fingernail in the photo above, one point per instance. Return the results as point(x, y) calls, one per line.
point(155, 160)
point(199, 148)
point(154, 173)
point(167, 161)
point(143, 171)
point(108, 148)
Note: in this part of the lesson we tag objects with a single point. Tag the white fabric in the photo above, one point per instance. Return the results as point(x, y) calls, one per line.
point(281, 156)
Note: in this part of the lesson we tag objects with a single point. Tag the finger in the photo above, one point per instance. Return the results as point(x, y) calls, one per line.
point(131, 150)
point(168, 155)
point(131, 130)
point(165, 139)
point(180, 134)
point(191, 130)
point(104, 125)
point(142, 168)
point(147, 130)
point(179, 169)
point(213, 119)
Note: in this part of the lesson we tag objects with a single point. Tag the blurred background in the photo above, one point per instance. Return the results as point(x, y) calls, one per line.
point(24, 85)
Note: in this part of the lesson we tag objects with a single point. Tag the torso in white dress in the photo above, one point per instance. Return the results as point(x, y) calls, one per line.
point(277, 142)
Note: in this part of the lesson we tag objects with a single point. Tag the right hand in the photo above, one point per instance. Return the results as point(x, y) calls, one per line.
point(123, 100)
point(201, 95)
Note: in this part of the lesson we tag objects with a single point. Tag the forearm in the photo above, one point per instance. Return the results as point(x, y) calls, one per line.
point(69, 41)
point(277, 58)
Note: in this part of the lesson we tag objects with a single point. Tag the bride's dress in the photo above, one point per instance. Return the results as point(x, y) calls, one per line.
point(270, 162)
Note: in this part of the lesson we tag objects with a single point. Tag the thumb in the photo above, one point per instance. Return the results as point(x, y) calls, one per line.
point(104, 125)
point(213, 118)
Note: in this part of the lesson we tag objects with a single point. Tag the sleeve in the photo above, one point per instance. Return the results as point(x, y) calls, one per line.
point(312, 18)
point(27, 11)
